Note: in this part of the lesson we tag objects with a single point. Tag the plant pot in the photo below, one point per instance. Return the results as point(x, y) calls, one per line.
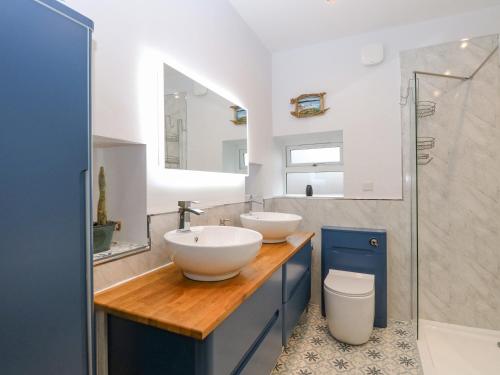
point(103, 235)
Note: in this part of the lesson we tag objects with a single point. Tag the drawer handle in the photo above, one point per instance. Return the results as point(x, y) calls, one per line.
point(373, 242)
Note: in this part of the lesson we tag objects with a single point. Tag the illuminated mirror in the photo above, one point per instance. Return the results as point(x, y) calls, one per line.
point(201, 130)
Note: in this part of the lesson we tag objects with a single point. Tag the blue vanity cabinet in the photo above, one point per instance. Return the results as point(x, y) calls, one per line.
point(247, 342)
point(296, 288)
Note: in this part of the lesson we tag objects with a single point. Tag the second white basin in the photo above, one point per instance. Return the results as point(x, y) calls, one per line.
point(212, 253)
point(274, 226)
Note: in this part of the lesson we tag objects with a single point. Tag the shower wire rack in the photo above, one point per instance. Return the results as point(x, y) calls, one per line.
point(425, 143)
point(425, 108)
point(424, 159)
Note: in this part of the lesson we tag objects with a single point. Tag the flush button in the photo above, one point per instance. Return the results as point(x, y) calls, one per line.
point(374, 242)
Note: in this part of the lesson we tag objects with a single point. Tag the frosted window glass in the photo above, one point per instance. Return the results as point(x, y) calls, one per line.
point(315, 155)
point(323, 183)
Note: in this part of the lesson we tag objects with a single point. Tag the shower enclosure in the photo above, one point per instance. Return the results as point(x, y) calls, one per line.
point(453, 119)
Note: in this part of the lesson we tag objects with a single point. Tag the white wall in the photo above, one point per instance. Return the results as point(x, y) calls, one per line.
point(364, 101)
point(206, 40)
point(125, 189)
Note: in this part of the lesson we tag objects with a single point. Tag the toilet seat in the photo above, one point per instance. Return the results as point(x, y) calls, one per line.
point(349, 284)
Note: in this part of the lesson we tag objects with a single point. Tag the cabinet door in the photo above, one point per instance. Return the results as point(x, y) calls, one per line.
point(44, 152)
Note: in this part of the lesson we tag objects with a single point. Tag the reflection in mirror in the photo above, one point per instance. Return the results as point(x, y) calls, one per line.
point(201, 130)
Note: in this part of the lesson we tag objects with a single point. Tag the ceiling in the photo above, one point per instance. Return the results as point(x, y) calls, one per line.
point(283, 24)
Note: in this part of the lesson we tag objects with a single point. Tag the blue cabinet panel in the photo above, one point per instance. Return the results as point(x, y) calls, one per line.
point(294, 270)
point(138, 349)
point(358, 250)
point(44, 161)
point(293, 309)
point(267, 350)
point(233, 338)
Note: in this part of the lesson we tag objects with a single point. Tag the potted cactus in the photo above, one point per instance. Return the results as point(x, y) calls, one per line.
point(103, 229)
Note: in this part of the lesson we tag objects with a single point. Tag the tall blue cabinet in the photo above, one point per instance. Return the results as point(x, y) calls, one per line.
point(45, 243)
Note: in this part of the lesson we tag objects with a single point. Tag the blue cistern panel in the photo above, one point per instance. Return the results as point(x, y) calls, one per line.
point(357, 250)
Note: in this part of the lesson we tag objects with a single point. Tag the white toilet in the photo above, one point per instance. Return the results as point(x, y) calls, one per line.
point(350, 305)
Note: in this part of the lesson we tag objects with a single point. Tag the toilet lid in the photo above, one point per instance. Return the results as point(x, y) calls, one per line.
point(350, 283)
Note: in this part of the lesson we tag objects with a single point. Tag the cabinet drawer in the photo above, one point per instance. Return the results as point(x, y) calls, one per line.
point(293, 309)
point(232, 340)
point(267, 350)
point(294, 270)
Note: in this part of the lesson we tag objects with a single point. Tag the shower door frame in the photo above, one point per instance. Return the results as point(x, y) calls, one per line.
point(414, 203)
point(413, 94)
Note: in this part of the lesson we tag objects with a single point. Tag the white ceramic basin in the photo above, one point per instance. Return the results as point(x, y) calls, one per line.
point(274, 226)
point(212, 253)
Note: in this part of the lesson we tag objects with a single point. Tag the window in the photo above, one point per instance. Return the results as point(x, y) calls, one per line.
point(319, 165)
point(314, 155)
point(323, 183)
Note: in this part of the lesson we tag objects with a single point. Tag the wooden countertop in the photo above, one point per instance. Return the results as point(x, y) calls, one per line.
point(166, 299)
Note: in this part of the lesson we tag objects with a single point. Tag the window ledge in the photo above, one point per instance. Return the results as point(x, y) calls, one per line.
point(316, 196)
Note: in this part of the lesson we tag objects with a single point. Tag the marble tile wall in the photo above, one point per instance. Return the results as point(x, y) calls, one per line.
point(108, 274)
point(459, 190)
point(392, 215)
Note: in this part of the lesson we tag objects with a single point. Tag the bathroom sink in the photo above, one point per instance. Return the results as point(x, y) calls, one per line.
point(212, 253)
point(274, 226)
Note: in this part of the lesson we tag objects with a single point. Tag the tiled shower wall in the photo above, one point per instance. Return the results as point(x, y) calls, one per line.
point(108, 274)
point(459, 190)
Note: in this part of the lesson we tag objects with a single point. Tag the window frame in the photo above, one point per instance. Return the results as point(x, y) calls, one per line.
point(312, 167)
point(241, 159)
point(290, 148)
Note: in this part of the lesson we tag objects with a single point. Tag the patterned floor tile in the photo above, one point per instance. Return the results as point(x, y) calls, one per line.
point(311, 350)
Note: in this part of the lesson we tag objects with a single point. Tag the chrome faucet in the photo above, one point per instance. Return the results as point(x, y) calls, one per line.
point(185, 211)
point(222, 221)
point(253, 200)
